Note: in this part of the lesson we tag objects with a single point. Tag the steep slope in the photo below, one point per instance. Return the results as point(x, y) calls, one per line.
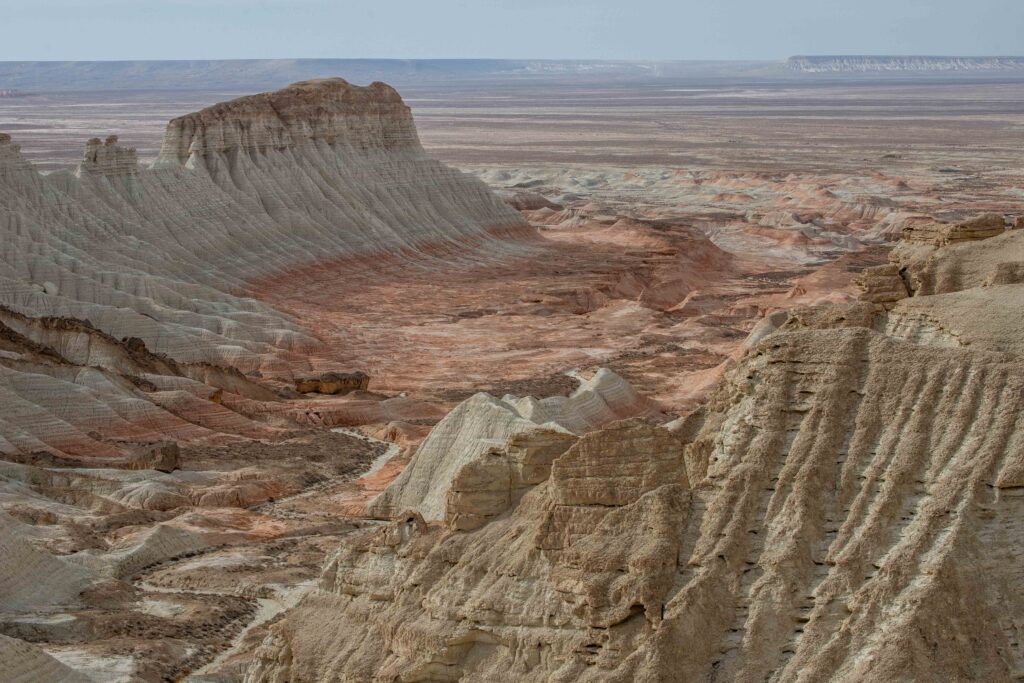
point(486, 452)
point(33, 578)
point(26, 663)
point(128, 288)
point(903, 64)
point(148, 403)
point(845, 508)
point(244, 190)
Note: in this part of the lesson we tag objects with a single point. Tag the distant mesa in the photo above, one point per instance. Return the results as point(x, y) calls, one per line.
point(906, 63)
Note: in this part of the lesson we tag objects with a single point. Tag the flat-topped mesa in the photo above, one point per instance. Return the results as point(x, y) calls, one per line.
point(330, 111)
point(107, 158)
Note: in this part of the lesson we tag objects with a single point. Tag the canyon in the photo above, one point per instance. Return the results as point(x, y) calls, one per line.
point(623, 379)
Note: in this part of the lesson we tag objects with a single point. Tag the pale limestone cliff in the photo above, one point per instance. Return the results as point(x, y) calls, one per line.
point(242, 191)
point(482, 455)
point(164, 260)
point(961, 256)
point(845, 508)
point(330, 110)
point(527, 595)
point(107, 158)
point(829, 510)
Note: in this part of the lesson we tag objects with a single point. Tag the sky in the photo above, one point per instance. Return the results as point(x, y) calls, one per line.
point(553, 29)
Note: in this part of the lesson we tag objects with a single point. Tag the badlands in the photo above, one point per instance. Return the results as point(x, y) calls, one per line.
point(610, 378)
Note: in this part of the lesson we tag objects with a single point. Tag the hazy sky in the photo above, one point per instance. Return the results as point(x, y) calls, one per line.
point(611, 29)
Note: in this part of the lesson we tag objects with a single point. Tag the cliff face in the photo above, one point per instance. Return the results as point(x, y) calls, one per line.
point(486, 452)
point(107, 158)
point(845, 508)
point(331, 111)
point(319, 174)
point(242, 191)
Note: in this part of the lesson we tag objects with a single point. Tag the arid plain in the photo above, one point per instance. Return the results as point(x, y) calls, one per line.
point(648, 186)
point(673, 224)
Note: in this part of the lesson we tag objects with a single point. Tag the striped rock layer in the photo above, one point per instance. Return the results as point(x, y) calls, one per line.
point(166, 260)
point(846, 508)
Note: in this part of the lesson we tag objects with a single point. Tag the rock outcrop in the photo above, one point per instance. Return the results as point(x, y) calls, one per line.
point(136, 280)
point(242, 191)
point(946, 258)
point(881, 284)
point(107, 158)
point(330, 111)
point(945, 234)
point(529, 595)
point(479, 460)
point(844, 508)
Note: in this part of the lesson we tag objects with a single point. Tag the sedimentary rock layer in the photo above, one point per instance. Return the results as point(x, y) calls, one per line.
point(241, 191)
point(845, 508)
point(486, 452)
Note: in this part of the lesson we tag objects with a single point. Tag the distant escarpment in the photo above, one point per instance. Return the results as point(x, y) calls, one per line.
point(329, 111)
point(909, 63)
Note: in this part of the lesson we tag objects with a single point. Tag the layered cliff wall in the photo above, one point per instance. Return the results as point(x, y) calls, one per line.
point(319, 174)
point(846, 508)
point(903, 64)
point(242, 191)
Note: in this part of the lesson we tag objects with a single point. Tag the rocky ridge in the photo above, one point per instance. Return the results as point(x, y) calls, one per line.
point(177, 504)
point(829, 515)
point(321, 171)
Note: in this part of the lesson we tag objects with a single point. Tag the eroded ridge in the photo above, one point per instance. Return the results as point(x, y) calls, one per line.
point(163, 259)
point(844, 508)
point(242, 191)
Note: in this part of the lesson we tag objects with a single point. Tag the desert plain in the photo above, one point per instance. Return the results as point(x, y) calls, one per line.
point(642, 237)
